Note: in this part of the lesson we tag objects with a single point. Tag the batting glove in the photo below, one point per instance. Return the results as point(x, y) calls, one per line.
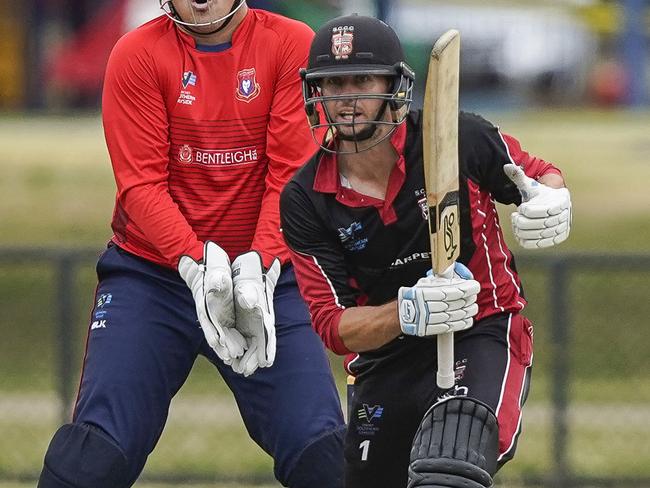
point(439, 304)
point(253, 288)
point(211, 285)
point(544, 217)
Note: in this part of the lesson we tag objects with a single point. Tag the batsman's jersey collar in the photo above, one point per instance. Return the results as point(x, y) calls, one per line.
point(327, 180)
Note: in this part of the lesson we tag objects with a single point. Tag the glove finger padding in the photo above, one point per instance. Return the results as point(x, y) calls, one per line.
point(227, 343)
point(249, 362)
point(437, 305)
point(549, 202)
point(254, 311)
point(218, 285)
point(542, 243)
point(542, 233)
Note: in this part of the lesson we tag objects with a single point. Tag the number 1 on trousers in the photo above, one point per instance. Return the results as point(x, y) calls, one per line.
point(365, 447)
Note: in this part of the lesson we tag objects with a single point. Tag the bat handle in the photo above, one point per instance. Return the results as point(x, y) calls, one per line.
point(445, 374)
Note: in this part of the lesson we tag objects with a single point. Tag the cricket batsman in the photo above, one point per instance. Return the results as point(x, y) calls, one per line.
point(355, 218)
point(202, 113)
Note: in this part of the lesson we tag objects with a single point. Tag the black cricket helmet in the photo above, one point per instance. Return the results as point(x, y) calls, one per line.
point(357, 45)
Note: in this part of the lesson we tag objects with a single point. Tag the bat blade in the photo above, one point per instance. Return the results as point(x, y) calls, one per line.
point(440, 146)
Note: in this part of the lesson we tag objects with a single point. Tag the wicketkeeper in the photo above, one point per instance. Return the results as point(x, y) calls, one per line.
point(202, 111)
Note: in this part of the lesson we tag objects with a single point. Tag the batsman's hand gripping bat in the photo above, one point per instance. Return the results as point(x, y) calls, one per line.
point(440, 145)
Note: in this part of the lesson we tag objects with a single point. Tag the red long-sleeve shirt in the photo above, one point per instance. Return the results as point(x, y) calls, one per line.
point(202, 143)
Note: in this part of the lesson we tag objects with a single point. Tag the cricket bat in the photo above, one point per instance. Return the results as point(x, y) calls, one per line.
point(440, 145)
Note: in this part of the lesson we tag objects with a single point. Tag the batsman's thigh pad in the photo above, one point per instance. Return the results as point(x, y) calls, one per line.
point(456, 446)
point(321, 463)
point(83, 456)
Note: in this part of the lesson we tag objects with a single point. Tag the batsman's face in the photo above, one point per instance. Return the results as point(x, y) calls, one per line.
point(353, 112)
point(197, 12)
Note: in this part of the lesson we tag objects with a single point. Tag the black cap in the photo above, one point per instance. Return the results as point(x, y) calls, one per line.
point(352, 44)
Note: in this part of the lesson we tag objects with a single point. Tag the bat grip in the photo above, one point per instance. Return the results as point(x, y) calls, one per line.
point(445, 374)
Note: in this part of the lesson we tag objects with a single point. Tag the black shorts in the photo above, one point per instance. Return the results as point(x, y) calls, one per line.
point(493, 361)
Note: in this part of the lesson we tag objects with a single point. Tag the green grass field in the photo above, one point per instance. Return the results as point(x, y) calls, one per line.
point(57, 190)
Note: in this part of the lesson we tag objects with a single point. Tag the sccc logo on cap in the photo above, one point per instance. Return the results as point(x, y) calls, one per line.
point(342, 39)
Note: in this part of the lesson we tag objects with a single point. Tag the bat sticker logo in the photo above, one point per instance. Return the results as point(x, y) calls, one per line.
point(448, 219)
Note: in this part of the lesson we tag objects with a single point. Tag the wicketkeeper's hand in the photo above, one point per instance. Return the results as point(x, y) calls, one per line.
point(211, 285)
point(544, 217)
point(439, 303)
point(254, 312)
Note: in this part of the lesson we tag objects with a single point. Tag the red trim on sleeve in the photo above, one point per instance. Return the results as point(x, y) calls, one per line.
point(322, 300)
point(534, 167)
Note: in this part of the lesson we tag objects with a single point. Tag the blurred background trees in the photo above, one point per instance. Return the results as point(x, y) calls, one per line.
point(515, 53)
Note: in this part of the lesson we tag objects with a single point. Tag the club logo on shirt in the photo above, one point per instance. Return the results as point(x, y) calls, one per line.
point(247, 86)
point(342, 41)
point(351, 238)
point(189, 78)
point(424, 208)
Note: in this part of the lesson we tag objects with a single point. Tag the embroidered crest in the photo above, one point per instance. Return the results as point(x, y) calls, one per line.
point(424, 208)
point(342, 41)
point(247, 86)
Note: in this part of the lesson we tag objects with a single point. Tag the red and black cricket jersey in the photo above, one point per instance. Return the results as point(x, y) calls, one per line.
point(349, 249)
point(202, 142)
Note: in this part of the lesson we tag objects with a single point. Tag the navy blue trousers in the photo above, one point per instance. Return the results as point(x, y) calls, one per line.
point(143, 340)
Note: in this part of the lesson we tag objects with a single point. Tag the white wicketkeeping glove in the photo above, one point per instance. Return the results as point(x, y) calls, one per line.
point(544, 217)
point(439, 303)
point(211, 285)
point(253, 290)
